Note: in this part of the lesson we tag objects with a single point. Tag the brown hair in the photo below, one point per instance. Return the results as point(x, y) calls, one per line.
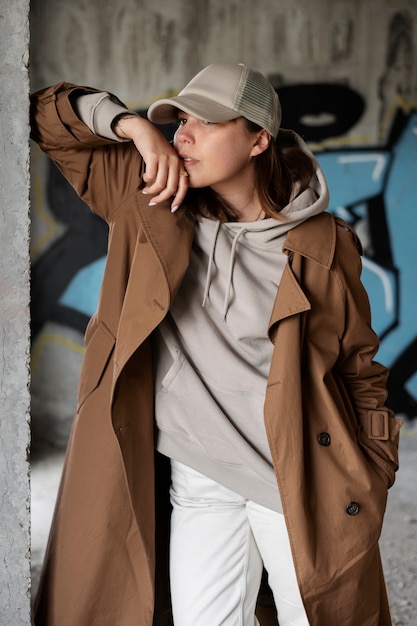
point(277, 170)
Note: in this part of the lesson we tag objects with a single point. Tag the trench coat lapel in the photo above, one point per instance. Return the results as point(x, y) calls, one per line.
point(314, 239)
point(290, 299)
point(160, 261)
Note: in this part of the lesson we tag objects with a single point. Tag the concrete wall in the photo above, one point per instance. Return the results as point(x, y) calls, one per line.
point(352, 65)
point(14, 314)
point(346, 73)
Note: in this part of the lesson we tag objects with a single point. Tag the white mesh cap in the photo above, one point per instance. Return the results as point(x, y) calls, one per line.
point(222, 92)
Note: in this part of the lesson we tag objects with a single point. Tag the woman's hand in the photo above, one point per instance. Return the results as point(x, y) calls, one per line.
point(165, 175)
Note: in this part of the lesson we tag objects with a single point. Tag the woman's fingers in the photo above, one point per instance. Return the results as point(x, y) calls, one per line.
point(166, 179)
point(181, 191)
point(164, 176)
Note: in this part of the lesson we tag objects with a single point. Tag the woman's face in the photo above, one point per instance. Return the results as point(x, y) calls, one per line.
point(217, 155)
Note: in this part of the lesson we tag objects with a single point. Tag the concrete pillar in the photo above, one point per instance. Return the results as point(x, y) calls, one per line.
point(14, 315)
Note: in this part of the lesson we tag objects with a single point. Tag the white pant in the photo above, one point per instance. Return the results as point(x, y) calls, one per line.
point(219, 544)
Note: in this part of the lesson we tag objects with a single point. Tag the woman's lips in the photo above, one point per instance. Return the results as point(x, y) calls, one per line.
point(188, 162)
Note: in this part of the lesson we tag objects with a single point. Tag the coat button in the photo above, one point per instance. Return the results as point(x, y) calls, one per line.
point(323, 439)
point(352, 508)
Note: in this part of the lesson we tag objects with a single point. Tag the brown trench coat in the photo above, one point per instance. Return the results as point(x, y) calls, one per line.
point(334, 444)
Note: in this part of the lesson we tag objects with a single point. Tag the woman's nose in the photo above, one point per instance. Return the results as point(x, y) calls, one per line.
point(185, 133)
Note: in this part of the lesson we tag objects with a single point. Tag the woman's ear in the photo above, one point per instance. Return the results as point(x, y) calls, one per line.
point(263, 139)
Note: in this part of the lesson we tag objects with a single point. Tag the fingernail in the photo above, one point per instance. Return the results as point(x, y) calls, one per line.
point(145, 192)
point(175, 208)
point(152, 203)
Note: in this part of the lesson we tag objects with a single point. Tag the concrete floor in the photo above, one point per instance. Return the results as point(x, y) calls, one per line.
point(398, 541)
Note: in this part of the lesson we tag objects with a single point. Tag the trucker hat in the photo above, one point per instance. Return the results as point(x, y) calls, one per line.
point(223, 92)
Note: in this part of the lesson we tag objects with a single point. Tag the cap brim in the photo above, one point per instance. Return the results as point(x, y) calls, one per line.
point(166, 110)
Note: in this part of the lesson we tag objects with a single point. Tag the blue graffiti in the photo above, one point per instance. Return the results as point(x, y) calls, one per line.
point(353, 177)
point(83, 290)
point(400, 209)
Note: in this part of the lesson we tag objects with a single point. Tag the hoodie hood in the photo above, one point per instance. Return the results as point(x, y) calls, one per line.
point(314, 199)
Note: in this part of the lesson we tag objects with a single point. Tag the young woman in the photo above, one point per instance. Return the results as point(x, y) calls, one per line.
point(233, 339)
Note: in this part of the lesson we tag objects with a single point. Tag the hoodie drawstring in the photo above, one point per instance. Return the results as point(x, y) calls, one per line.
point(210, 264)
point(236, 238)
point(230, 272)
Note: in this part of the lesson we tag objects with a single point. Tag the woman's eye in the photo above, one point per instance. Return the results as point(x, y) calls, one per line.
point(181, 121)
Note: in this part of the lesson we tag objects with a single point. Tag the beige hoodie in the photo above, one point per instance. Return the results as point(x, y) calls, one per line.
point(213, 350)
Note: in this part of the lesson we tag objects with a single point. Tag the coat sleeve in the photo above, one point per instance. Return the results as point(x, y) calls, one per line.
point(363, 377)
point(103, 172)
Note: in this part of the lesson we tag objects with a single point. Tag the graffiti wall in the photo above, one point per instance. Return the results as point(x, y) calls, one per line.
point(373, 186)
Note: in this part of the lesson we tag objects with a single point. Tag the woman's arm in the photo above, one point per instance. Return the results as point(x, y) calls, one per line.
point(102, 169)
point(363, 377)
